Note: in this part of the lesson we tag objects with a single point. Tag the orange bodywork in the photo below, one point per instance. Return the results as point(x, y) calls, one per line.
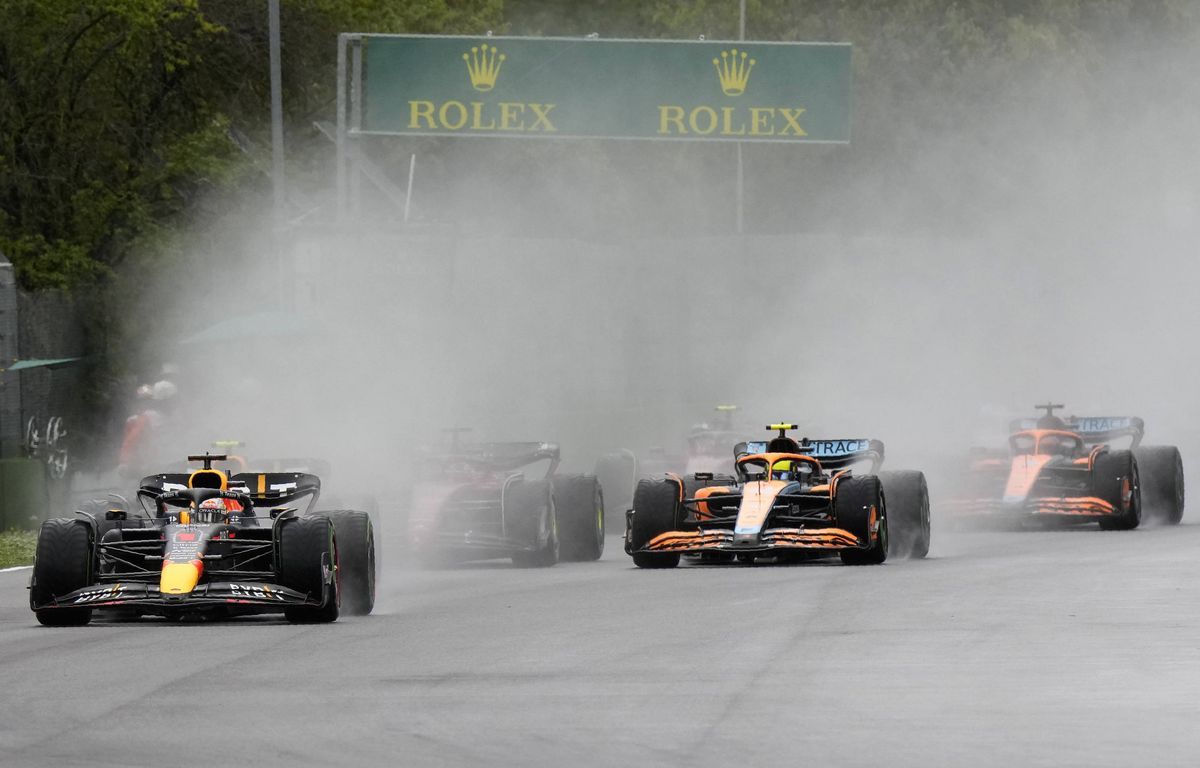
point(702, 512)
point(1025, 469)
point(772, 538)
point(758, 498)
point(1023, 474)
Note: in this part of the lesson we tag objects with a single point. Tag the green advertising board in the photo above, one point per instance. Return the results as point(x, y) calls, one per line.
point(611, 89)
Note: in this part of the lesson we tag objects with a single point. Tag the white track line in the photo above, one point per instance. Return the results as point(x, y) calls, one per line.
point(15, 568)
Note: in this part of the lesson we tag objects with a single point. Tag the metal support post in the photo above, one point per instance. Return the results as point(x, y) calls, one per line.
point(356, 70)
point(340, 139)
point(741, 178)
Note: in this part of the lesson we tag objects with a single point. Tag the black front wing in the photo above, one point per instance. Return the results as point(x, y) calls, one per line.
point(250, 597)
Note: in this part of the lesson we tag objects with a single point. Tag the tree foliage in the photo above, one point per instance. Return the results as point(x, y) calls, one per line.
point(117, 115)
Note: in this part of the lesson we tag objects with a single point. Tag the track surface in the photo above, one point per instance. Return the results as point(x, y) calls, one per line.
point(1060, 648)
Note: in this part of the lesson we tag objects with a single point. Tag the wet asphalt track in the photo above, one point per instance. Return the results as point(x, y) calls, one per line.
point(1003, 649)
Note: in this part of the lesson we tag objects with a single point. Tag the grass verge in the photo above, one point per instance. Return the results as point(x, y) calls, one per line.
point(16, 548)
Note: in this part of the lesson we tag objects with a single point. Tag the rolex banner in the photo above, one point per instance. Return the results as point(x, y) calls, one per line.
point(613, 89)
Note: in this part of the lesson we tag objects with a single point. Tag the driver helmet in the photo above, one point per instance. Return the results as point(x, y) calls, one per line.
point(1051, 421)
point(211, 510)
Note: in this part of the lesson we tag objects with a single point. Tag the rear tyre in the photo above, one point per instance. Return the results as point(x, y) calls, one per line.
point(307, 550)
point(908, 513)
point(656, 510)
point(533, 505)
point(1161, 472)
point(859, 508)
point(62, 563)
point(1115, 479)
point(356, 560)
point(579, 502)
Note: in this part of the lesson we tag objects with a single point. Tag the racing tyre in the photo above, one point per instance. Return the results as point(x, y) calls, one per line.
point(656, 510)
point(1161, 471)
point(617, 474)
point(62, 563)
point(908, 513)
point(857, 508)
point(356, 560)
point(534, 504)
point(579, 502)
point(307, 549)
point(1115, 479)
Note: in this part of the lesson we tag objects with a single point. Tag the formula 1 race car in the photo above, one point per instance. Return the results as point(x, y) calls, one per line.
point(784, 501)
point(476, 503)
point(210, 545)
point(1065, 470)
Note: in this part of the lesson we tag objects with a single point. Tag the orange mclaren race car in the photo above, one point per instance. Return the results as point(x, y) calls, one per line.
point(782, 502)
point(1067, 470)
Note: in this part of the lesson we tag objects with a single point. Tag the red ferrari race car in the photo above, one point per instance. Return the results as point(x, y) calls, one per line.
point(787, 499)
point(209, 545)
point(476, 503)
point(1070, 471)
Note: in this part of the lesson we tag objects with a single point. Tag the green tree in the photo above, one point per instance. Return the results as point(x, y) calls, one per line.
point(116, 116)
point(103, 129)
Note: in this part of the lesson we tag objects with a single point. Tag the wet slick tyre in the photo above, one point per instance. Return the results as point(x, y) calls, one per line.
point(62, 563)
point(579, 501)
point(655, 511)
point(908, 513)
point(356, 560)
point(859, 503)
point(307, 546)
point(1160, 468)
point(535, 502)
point(1115, 479)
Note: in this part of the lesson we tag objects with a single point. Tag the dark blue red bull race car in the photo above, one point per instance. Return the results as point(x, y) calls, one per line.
point(208, 545)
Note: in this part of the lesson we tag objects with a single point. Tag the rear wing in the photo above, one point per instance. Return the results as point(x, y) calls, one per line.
point(1102, 429)
point(1095, 430)
point(841, 453)
point(276, 489)
point(268, 489)
point(833, 454)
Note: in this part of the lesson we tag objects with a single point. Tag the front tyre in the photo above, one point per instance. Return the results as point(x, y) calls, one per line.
point(62, 563)
point(535, 502)
point(656, 510)
point(858, 507)
point(307, 560)
point(1115, 479)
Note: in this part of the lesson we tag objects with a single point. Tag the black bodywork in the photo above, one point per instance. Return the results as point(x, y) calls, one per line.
point(239, 550)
